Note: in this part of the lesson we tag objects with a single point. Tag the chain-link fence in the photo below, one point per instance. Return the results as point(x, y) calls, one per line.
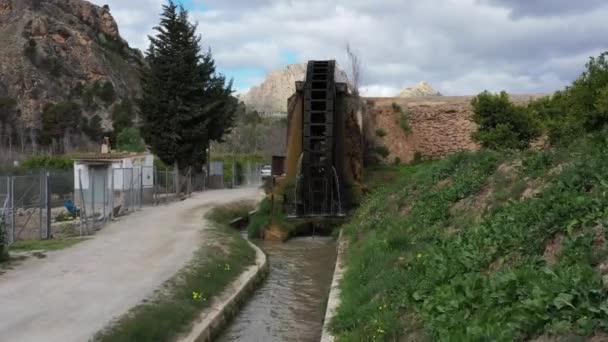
point(51, 204)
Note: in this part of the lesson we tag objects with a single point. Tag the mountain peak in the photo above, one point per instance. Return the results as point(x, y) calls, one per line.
point(421, 89)
point(271, 95)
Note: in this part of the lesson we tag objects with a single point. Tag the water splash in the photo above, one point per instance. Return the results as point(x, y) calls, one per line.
point(338, 191)
point(295, 190)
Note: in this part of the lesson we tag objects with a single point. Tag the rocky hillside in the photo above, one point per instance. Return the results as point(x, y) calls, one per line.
point(421, 89)
point(59, 50)
point(271, 95)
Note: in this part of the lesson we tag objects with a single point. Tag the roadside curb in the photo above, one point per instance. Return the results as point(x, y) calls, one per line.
point(333, 300)
point(213, 319)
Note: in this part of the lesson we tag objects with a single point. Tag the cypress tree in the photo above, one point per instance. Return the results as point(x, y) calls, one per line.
point(185, 103)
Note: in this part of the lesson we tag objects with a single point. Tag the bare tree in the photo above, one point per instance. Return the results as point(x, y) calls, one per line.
point(355, 69)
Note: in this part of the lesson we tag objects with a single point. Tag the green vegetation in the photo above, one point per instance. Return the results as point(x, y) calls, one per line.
point(490, 246)
point(130, 140)
point(380, 133)
point(44, 161)
point(236, 163)
point(171, 311)
point(267, 215)
point(226, 213)
point(186, 104)
point(45, 245)
point(107, 93)
point(403, 118)
point(92, 128)
point(66, 119)
point(382, 151)
point(260, 219)
point(580, 108)
point(123, 115)
point(503, 124)
point(450, 258)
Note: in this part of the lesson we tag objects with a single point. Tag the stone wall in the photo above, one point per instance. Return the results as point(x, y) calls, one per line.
point(439, 125)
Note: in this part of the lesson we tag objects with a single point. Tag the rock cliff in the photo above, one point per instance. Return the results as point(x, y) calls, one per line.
point(270, 97)
point(421, 89)
point(55, 50)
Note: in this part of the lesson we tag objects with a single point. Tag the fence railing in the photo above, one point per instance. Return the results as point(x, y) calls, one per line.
point(51, 203)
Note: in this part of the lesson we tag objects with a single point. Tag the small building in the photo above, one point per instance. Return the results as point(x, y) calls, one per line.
point(110, 183)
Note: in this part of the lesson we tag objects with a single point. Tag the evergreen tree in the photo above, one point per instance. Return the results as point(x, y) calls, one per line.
point(185, 103)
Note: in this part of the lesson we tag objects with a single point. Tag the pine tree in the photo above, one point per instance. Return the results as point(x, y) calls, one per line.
point(186, 103)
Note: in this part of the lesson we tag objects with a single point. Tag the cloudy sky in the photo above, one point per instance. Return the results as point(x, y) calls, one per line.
point(460, 46)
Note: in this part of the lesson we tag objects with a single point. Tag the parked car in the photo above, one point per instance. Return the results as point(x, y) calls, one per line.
point(266, 171)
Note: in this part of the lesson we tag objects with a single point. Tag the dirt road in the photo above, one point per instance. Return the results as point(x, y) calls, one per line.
point(73, 293)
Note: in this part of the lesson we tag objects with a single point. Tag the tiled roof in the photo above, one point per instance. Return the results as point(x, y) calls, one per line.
point(107, 156)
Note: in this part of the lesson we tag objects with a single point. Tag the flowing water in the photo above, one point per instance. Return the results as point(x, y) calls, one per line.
point(290, 304)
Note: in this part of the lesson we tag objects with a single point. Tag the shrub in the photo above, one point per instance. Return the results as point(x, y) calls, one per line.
point(403, 118)
point(382, 151)
point(59, 118)
point(501, 124)
point(580, 108)
point(43, 161)
point(130, 140)
point(107, 93)
point(260, 220)
point(123, 115)
point(92, 128)
point(380, 133)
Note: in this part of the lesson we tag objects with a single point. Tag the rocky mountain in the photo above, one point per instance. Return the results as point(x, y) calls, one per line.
point(421, 89)
point(271, 95)
point(58, 50)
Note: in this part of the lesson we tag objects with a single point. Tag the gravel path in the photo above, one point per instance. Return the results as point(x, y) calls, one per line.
point(72, 293)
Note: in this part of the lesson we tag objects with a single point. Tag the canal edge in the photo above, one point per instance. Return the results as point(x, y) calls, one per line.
point(214, 318)
point(333, 300)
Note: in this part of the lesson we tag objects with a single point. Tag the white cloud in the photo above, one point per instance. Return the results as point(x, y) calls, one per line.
point(459, 46)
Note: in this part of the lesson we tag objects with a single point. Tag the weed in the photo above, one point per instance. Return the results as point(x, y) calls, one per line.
point(45, 245)
point(403, 118)
point(380, 133)
point(457, 278)
point(382, 151)
point(171, 311)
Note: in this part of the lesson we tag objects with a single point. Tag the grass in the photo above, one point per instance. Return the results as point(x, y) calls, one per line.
point(44, 245)
point(419, 270)
point(403, 118)
point(226, 213)
point(172, 309)
point(263, 218)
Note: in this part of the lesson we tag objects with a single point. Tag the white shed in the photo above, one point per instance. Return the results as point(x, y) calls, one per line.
point(108, 182)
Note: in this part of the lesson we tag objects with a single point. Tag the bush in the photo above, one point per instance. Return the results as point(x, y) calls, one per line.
point(260, 220)
point(580, 108)
point(58, 119)
point(380, 133)
point(92, 128)
point(107, 93)
point(403, 118)
point(502, 124)
point(53, 162)
point(130, 140)
point(123, 115)
point(382, 151)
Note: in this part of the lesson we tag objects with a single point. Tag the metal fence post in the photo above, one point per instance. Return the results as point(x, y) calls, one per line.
point(41, 204)
point(48, 204)
point(92, 186)
point(11, 187)
point(105, 199)
point(112, 193)
point(141, 186)
point(83, 210)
